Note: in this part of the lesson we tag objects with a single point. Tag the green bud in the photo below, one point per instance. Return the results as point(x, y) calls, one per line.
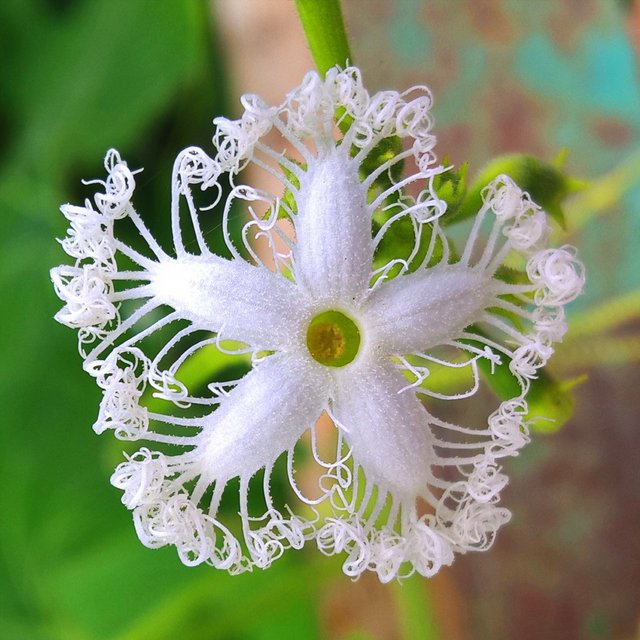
point(546, 183)
point(550, 401)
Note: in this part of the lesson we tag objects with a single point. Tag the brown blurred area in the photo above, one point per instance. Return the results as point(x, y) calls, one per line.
point(568, 565)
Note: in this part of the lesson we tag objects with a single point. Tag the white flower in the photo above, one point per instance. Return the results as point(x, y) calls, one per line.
point(328, 332)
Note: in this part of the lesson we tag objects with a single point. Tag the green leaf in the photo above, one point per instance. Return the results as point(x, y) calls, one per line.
point(97, 74)
point(280, 601)
point(96, 78)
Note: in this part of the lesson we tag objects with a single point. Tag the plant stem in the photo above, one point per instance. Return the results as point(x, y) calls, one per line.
point(324, 29)
point(414, 610)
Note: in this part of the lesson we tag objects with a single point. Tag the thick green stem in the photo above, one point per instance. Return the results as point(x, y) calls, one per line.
point(324, 28)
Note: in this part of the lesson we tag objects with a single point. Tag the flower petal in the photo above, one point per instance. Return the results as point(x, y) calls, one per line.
point(423, 309)
point(263, 416)
point(388, 431)
point(334, 249)
point(237, 300)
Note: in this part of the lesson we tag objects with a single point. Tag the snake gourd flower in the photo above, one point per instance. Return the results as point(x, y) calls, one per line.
point(329, 330)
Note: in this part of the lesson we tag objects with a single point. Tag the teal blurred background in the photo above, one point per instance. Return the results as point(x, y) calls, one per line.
point(147, 77)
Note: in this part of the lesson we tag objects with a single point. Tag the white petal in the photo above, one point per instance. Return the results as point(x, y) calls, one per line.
point(237, 300)
point(388, 431)
point(423, 309)
point(334, 248)
point(263, 416)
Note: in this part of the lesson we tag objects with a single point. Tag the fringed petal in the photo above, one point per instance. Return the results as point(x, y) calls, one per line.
point(334, 250)
point(237, 300)
point(262, 417)
point(386, 428)
point(177, 499)
point(406, 488)
point(420, 310)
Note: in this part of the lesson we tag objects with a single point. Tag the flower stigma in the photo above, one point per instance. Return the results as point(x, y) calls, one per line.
point(333, 339)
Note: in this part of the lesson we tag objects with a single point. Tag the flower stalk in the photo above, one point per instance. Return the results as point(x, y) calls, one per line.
point(324, 29)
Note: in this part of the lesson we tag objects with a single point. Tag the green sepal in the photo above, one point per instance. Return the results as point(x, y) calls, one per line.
point(546, 183)
point(399, 242)
point(384, 151)
point(511, 276)
point(288, 197)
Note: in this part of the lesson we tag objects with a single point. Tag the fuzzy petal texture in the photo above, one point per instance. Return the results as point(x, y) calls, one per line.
point(334, 249)
point(414, 312)
point(231, 297)
point(262, 417)
point(388, 430)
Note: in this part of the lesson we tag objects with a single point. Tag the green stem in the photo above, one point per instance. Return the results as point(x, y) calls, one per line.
point(413, 608)
point(324, 29)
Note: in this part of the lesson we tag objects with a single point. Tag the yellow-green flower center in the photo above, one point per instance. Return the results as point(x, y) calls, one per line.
point(333, 339)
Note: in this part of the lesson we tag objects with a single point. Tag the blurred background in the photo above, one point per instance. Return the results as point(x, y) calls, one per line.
point(81, 76)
